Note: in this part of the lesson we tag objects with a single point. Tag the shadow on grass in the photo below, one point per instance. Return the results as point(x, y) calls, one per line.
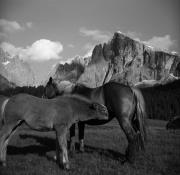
point(106, 152)
point(48, 144)
point(32, 149)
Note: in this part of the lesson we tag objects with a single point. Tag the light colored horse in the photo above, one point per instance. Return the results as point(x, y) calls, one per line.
point(39, 114)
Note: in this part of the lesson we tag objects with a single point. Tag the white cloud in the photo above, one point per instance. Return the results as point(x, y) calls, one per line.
point(29, 24)
point(40, 50)
point(9, 26)
point(136, 36)
point(164, 42)
point(159, 42)
point(96, 35)
point(44, 50)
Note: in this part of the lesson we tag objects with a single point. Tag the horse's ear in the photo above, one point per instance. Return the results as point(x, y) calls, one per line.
point(74, 87)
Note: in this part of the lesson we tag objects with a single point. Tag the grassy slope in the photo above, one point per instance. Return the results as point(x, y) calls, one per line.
point(31, 152)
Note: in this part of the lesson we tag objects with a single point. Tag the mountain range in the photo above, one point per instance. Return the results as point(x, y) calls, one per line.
point(124, 60)
point(121, 59)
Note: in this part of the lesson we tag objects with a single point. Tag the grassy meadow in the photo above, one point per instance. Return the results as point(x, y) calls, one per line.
point(30, 153)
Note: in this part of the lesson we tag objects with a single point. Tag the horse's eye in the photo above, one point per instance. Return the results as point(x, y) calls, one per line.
point(92, 106)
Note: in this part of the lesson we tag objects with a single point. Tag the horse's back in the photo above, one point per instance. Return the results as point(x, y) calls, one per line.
point(117, 87)
point(38, 113)
point(117, 97)
point(21, 105)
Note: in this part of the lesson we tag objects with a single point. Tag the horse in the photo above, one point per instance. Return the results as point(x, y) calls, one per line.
point(56, 114)
point(124, 103)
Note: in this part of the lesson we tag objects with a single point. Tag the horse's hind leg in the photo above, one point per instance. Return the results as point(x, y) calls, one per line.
point(131, 137)
point(5, 134)
point(81, 127)
point(61, 143)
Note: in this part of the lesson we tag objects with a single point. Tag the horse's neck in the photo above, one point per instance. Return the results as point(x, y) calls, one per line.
point(97, 95)
point(94, 94)
point(86, 92)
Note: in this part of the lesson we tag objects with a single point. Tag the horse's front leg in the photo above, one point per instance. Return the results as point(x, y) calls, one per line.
point(63, 144)
point(81, 127)
point(61, 141)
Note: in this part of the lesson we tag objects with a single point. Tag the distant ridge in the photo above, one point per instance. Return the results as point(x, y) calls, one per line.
point(15, 70)
point(5, 84)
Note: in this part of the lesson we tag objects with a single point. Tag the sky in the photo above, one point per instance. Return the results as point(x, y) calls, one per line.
point(44, 32)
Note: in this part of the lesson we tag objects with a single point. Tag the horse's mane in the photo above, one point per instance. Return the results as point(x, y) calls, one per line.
point(80, 86)
point(79, 97)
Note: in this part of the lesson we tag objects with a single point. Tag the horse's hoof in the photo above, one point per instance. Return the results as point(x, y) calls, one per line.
point(3, 164)
point(131, 153)
point(71, 153)
point(66, 166)
point(81, 146)
point(72, 149)
point(123, 160)
point(81, 149)
point(55, 158)
point(130, 159)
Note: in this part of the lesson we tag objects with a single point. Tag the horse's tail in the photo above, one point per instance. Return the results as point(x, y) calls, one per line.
point(2, 115)
point(140, 117)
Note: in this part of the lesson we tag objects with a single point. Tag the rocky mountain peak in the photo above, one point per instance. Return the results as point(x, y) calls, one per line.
point(125, 60)
point(15, 70)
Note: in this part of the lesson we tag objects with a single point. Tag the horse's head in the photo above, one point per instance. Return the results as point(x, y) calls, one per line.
point(51, 90)
point(100, 110)
point(94, 112)
point(54, 88)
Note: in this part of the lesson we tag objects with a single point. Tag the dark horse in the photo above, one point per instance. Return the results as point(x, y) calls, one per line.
point(56, 114)
point(124, 103)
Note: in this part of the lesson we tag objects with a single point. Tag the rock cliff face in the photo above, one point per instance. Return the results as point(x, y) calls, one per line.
point(127, 61)
point(15, 70)
point(70, 72)
point(5, 84)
